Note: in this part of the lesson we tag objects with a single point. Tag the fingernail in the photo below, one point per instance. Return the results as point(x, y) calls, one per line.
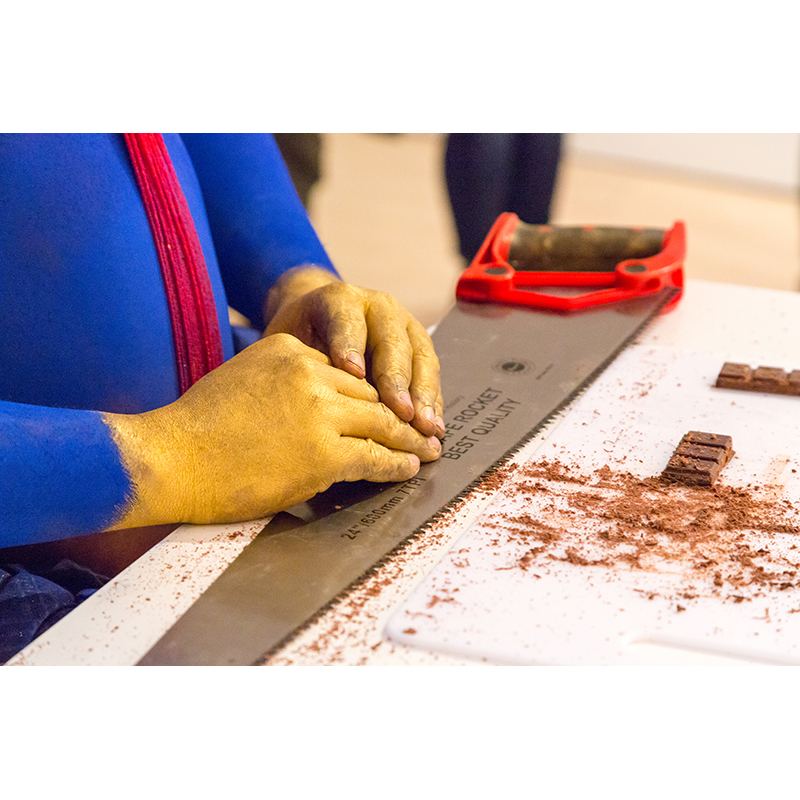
point(414, 460)
point(356, 360)
point(405, 399)
point(435, 443)
point(428, 414)
point(440, 424)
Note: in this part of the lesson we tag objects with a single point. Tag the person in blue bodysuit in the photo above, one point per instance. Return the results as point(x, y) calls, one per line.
point(94, 433)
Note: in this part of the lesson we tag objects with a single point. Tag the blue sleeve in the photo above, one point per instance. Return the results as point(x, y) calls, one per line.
point(61, 474)
point(259, 226)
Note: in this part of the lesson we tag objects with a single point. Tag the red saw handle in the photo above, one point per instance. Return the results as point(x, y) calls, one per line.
point(621, 263)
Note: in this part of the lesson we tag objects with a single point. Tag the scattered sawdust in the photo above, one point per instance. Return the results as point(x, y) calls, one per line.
point(720, 538)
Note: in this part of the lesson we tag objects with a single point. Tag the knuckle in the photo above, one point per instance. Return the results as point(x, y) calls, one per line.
point(322, 449)
point(314, 399)
point(287, 351)
point(283, 341)
point(389, 382)
point(426, 356)
point(389, 420)
point(302, 370)
point(338, 293)
point(384, 298)
point(379, 462)
point(384, 308)
point(383, 417)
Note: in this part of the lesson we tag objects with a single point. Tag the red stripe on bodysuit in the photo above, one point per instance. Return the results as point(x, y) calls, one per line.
point(195, 329)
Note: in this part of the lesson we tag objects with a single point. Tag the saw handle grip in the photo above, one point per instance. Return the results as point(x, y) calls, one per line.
point(620, 263)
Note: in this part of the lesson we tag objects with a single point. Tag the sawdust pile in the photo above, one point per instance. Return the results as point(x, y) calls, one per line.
point(727, 542)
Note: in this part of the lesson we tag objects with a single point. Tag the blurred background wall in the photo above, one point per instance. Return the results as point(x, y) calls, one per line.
point(382, 210)
point(757, 160)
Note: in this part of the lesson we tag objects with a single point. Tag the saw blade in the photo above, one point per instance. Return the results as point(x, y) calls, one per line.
point(506, 371)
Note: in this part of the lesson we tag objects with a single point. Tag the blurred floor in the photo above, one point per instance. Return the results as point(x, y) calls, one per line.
point(382, 211)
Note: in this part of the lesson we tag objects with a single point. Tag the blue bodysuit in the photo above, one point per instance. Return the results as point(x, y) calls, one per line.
point(85, 323)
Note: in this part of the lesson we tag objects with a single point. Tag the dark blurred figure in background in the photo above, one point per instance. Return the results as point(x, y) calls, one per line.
point(488, 174)
point(302, 153)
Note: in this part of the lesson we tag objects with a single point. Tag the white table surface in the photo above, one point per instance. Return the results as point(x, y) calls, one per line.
point(120, 623)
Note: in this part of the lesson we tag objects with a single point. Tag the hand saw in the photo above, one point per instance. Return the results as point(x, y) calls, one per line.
point(508, 364)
